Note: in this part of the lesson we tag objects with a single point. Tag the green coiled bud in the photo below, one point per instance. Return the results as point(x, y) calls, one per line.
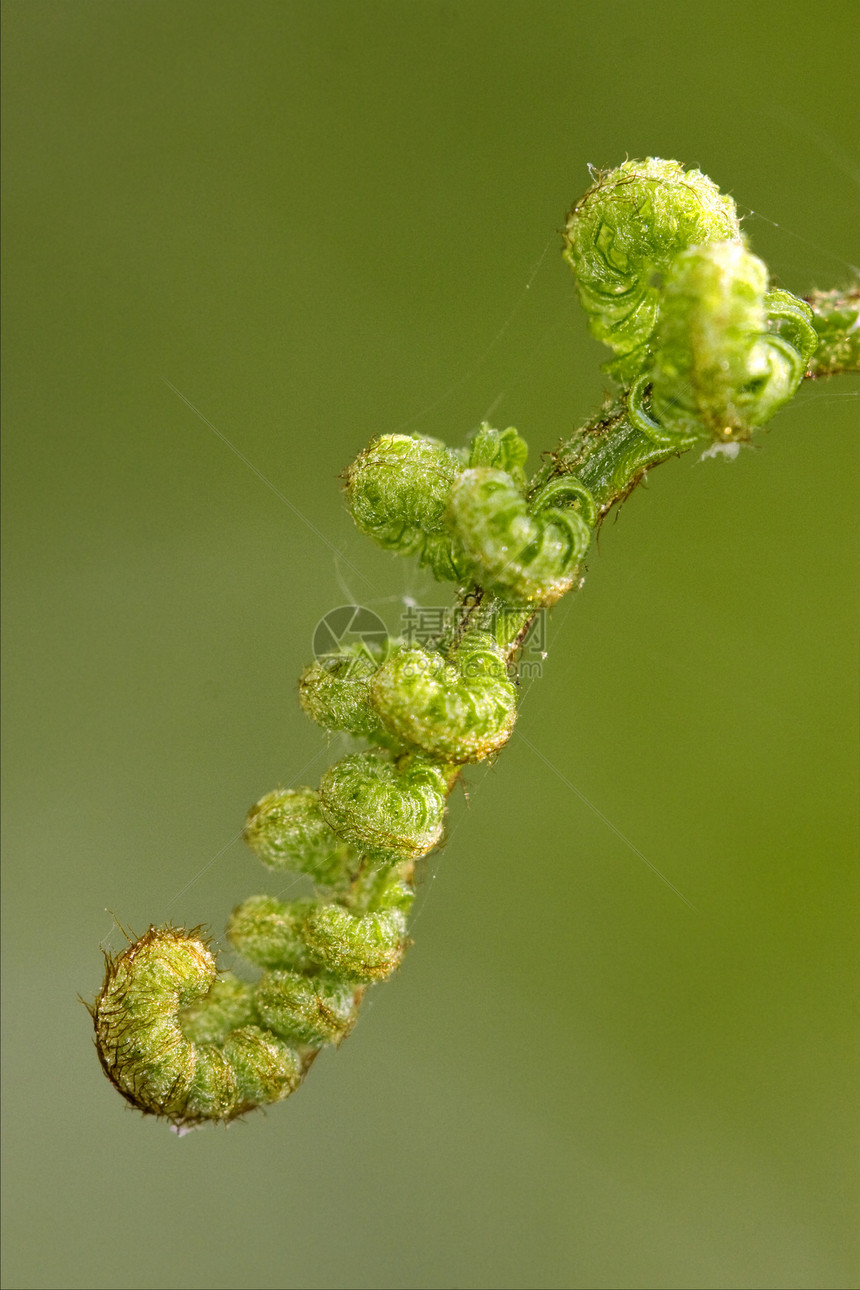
point(791, 342)
point(397, 492)
point(325, 938)
point(459, 709)
point(624, 233)
point(266, 1069)
point(709, 347)
point(214, 1090)
point(305, 1010)
point(253, 1068)
point(268, 932)
point(397, 489)
point(287, 830)
point(362, 948)
point(729, 353)
point(334, 691)
point(388, 810)
point(501, 450)
point(529, 553)
point(140, 1017)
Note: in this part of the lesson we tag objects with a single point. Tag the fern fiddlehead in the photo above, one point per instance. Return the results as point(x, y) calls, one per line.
point(460, 708)
point(729, 353)
point(624, 233)
point(704, 350)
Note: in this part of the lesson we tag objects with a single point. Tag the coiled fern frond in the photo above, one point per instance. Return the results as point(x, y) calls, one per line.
point(705, 351)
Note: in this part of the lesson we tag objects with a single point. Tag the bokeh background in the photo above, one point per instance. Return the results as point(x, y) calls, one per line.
point(320, 221)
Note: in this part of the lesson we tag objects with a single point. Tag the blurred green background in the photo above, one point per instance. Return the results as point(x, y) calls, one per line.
point(322, 221)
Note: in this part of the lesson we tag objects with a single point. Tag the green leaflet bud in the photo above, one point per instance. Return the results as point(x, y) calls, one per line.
point(397, 492)
point(145, 1052)
point(718, 368)
point(286, 829)
point(529, 557)
point(791, 343)
point(214, 1091)
point(501, 450)
point(459, 710)
point(712, 321)
point(268, 932)
point(140, 1042)
point(361, 947)
point(252, 1069)
point(305, 1010)
point(334, 692)
point(625, 232)
point(266, 1069)
point(398, 488)
point(389, 810)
